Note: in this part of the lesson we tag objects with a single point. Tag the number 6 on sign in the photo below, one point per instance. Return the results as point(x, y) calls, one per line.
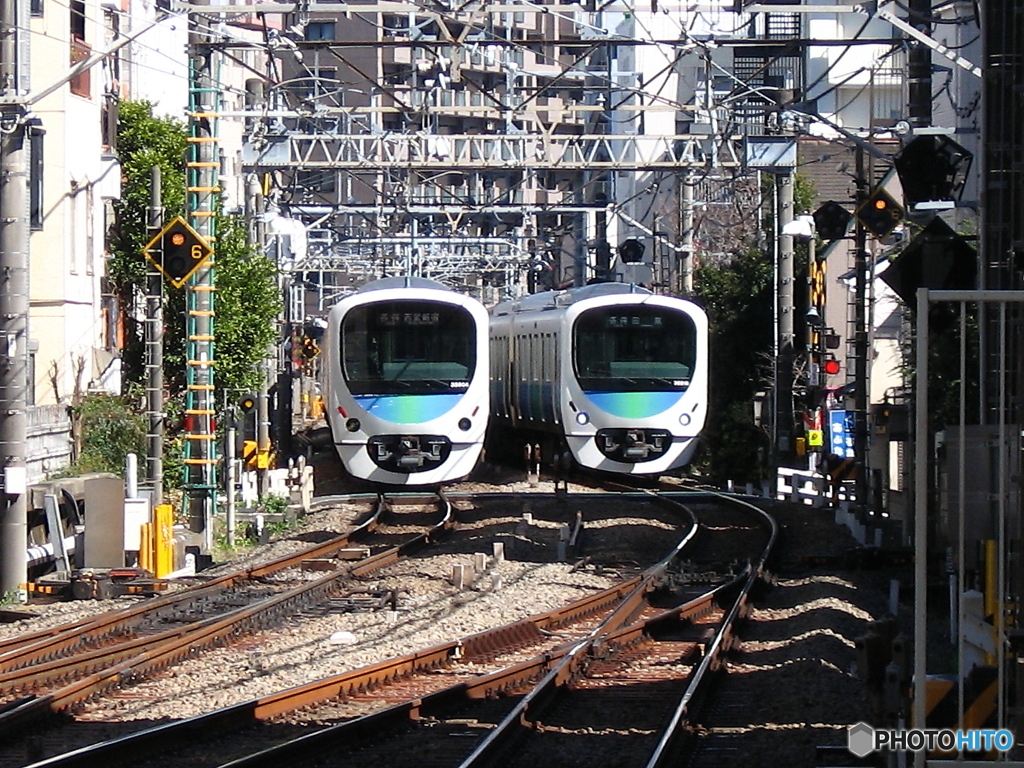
point(177, 251)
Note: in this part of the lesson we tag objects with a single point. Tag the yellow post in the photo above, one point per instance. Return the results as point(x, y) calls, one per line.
point(146, 547)
point(163, 560)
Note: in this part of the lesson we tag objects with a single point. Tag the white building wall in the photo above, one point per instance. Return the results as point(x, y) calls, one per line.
point(67, 255)
point(158, 70)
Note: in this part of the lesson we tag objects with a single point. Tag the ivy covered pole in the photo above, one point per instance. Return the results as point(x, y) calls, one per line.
point(201, 202)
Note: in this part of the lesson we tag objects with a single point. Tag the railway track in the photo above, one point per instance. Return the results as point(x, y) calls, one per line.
point(482, 693)
point(57, 669)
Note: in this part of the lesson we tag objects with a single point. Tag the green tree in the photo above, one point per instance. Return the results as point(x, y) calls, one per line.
point(737, 296)
point(143, 141)
point(247, 300)
point(110, 430)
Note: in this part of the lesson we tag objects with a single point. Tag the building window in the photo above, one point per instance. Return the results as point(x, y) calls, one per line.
point(108, 124)
point(81, 85)
point(35, 179)
point(320, 30)
point(36, 8)
point(78, 19)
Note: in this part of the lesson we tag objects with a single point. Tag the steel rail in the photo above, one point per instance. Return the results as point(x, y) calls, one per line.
point(667, 748)
point(23, 650)
point(544, 666)
point(178, 644)
point(497, 740)
point(471, 648)
point(479, 646)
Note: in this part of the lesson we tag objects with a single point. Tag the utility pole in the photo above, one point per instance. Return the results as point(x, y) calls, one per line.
point(784, 361)
point(860, 346)
point(14, 299)
point(257, 236)
point(919, 66)
point(155, 349)
point(686, 224)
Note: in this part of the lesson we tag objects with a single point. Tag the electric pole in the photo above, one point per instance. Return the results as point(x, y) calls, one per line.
point(14, 298)
point(784, 361)
point(860, 347)
point(257, 237)
point(686, 225)
point(202, 192)
point(155, 349)
point(919, 66)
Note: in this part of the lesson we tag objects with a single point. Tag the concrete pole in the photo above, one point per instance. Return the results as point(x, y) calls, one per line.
point(155, 351)
point(263, 397)
point(784, 372)
point(14, 307)
point(686, 197)
point(861, 316)
point(230, 469)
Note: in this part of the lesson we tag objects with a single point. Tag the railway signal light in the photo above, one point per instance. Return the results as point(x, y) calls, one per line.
point(880, 213)
point(932, 167)
point(245, 424)
point(831, 366)
point(831, 221)
point(631, 251)
point(177, 251)
point(938, 259)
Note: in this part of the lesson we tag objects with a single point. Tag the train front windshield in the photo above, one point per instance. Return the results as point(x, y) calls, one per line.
point(634, 348)
point(408, 347)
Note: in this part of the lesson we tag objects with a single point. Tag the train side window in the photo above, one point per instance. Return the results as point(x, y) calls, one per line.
point(540, 357)
point(544, 357)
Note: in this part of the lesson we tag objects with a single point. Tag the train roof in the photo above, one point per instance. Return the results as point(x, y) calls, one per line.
point(386, 283)
point(552, 299)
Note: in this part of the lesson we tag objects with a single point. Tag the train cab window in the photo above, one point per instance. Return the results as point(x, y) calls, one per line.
point(408, 347)
point(634, 348)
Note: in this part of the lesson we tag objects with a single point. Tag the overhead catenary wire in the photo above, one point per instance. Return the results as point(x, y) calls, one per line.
point(484, 33)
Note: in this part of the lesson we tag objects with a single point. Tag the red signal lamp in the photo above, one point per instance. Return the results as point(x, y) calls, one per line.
point(832, 366)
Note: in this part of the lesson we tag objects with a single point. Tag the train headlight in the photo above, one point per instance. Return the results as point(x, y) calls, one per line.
point(352, 425)
point(582, 418)
point(465, 424)
point(684, 419)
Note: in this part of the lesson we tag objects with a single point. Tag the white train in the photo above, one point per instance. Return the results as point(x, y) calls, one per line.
point(616, 374)
point(404, 381)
